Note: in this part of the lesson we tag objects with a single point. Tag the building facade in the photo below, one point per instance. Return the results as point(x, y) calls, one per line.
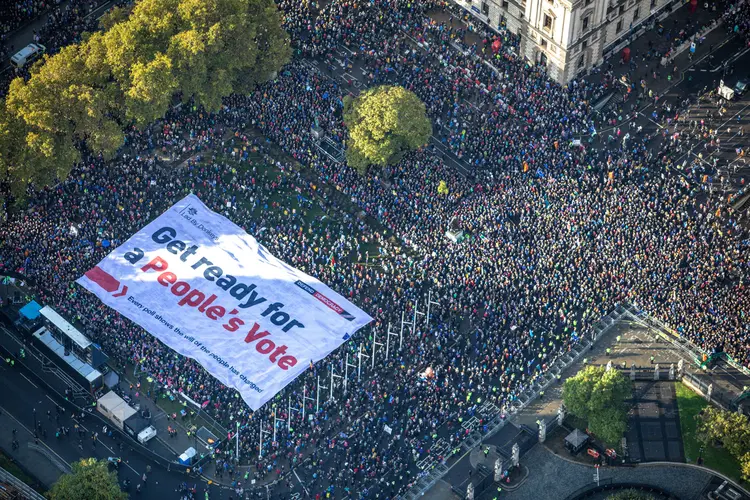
point(569, 36)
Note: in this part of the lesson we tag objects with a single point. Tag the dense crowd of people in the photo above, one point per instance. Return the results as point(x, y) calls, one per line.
point(16, 13)
point(561, 231)
point(62, 26)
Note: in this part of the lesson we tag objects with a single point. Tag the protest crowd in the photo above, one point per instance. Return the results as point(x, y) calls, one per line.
point(63, 26)
point(561, 231)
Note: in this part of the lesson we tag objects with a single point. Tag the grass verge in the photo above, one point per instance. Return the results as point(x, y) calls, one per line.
point(11, 466)
point(690, 405)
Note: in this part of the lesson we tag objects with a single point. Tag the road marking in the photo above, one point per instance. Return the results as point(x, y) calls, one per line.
point(730, 60)
point(164, 443)
point(301, 483)
point(666, 91)
point(162, 415)
point(652, 121)
point(97, 9)
point(6, 412)
point(29, 381)
point(719, 128)
point(107, 447)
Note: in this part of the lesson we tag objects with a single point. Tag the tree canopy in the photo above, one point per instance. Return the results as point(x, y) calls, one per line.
point(88, 93)
point(384, 123)
point(598, 396)
point(91, 480)
point(745, 466)
point(731, 429)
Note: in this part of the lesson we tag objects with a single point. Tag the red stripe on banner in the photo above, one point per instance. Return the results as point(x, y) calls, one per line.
point(103, 279)
point(328, 302)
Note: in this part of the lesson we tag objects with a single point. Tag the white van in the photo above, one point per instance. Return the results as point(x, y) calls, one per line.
point(146, 434)
point(27, 55)
point(725, 92)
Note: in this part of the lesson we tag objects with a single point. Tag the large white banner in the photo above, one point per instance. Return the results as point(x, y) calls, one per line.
point(211, 292)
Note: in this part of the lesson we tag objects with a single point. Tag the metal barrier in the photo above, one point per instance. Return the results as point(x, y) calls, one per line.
point(540, 383)
point(60, 400)
point(27, 492)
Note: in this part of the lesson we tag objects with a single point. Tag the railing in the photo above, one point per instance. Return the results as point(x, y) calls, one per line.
point(27, 492)
point(716, 396)
point(695, 351)
point(434, 474)
point(61, 400)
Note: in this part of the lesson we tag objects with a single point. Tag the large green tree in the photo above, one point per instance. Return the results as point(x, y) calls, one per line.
point(731, 428)
point(745, 466)
point(69, 98)
point(88, 93)
point(90, 480)
point(205, 49)
point(384, 123)
point(598, 396)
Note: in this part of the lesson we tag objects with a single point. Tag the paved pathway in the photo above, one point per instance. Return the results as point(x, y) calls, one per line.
point(554, 478)
point(654, 424)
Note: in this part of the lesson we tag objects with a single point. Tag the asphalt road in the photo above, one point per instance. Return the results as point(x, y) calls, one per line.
point(22, 396)
point(25, 34)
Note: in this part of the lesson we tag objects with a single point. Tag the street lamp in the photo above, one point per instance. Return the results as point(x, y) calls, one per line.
point(35, 419)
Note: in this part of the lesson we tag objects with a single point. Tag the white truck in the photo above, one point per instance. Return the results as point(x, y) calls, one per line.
point(725, 92)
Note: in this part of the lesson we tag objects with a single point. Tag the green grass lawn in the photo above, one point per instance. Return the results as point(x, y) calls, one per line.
point(287, 198)
point(690, 404)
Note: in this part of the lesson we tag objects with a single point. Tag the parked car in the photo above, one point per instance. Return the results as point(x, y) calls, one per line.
point(741, 86)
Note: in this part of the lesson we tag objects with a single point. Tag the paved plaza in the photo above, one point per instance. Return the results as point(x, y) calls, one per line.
point(653, 433)
point(654, 424)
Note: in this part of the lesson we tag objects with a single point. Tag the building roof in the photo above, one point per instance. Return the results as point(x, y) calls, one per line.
point(110, 400)
point(31, 48)
point(31, 310)
point(85, 370)
point(577, 438)
point(65, 327)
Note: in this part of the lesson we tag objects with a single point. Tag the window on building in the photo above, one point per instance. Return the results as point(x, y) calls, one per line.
point(586, 22)
point(543, 43)
point(547, 21)
point(618, 28)
point(636, 13)
point(505, 4)
point(653, 3)
point(588, 2)
point(485, 8)
point(621, 10)
point(581, 61)
point(584, 45)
